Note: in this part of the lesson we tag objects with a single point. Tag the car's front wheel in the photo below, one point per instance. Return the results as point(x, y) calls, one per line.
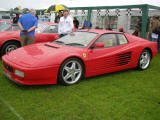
point(71, 71)
point(9, 46)
point(144, 60)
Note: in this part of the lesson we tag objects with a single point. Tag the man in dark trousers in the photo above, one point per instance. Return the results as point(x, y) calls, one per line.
point(27, 24)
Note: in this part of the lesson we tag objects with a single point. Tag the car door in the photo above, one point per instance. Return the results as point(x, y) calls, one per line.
point(49, 34)
point(107, 59)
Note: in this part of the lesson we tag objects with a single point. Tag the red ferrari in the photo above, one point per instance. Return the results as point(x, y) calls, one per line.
point(10, 36)
point(80, 54)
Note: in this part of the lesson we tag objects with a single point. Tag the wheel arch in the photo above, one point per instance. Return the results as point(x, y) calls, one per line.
point(149, 49)
point(138, 64)
point(78, 59)
point(12, 40)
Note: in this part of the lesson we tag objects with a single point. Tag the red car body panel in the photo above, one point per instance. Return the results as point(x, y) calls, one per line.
point(6, 36)
point(41, 62)
point(32, 62)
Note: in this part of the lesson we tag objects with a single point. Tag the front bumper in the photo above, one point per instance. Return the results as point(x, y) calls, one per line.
point(8, 76)
point(32, 76)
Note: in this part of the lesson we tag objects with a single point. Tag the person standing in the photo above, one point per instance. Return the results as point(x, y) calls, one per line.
point(85, 25)
point(154, 23)
point(157, 31)
point(158, 42)
point(57, 19)
point(27, 24)
point(108, 27)
point(65, 25)
point(15, 19)
point(76, 23)
point(136, 31)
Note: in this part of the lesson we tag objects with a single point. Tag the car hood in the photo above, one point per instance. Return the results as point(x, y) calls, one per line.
point(42, 54)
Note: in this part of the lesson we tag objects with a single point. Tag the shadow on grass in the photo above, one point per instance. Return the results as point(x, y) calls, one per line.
point(30, 87)
point(111, 74)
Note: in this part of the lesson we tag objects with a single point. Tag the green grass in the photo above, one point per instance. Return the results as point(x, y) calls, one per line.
point(125, 95)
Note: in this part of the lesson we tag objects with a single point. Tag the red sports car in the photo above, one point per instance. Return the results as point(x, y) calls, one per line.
point(81, 54)
point(6, 25)
point(10, 35)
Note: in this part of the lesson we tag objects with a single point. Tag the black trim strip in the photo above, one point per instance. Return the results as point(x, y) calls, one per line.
point(50, 46)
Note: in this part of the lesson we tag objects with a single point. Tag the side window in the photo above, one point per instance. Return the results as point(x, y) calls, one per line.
point(109, 40)
point(122, 39)
point(15, 27)
point(51, 29)
point(5, 26)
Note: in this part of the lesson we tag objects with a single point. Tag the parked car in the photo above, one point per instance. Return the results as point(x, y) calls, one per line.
point(81, 54)
point(5, 17)
point(10, 38)
point(43, 18)
point(6, 25)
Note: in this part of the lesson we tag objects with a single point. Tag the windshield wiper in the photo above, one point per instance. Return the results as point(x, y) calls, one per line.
point(75, 44)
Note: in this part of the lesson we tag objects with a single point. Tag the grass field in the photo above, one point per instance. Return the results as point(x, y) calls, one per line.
point(125, 95)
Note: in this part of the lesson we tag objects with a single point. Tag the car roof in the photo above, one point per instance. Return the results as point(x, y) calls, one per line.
point(5, 21)
point(100, 31)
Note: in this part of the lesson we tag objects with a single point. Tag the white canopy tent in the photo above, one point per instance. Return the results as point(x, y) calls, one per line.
point(3, 10)
point(89, 3)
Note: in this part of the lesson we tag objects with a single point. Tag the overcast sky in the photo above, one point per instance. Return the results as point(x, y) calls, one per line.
point(43, 4)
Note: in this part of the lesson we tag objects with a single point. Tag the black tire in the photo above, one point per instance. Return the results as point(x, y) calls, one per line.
point(9, 46)
point(66, 69)
point(144, 60)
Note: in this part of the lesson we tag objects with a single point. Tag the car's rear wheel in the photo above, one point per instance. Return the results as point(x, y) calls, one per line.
point(9, 46)
point(144, 60)
point(71, 71)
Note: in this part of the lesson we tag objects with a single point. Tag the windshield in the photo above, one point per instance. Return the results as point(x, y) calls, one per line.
point(14, 27)
point(77, 39)
point(41, 27)
point(4, 26)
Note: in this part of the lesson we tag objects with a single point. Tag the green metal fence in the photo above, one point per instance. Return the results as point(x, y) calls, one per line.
point(144, 7)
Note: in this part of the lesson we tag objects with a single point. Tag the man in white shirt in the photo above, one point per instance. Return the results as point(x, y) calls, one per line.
point(65, 25)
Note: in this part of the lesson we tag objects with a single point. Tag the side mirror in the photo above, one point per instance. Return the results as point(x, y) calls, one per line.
point(98, 45)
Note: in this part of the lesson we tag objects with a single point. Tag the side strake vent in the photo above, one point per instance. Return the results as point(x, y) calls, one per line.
point(50, 46)
point(124, 58)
